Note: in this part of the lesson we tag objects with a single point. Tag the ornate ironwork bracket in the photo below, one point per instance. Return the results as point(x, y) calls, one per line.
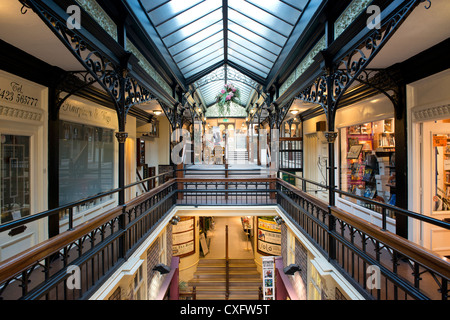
point(330, 136)
point(328, 89)
point(121, 136)
point(111, 74)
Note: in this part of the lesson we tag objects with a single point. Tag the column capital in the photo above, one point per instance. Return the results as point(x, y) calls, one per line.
point(121, 136)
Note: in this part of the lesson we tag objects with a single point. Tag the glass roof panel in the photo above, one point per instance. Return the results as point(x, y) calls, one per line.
point(253, 37)
point(202, 60)
point(278, 9)
point(298, 4)
point(194, 27)
point(256, 65)
point(193, 37)
point(216, 47)
point(262, 16)
point(196, 38)
point(232, 37)
point(169, 10)
point(210, 85)
point(256, 27)
point(248, 53)
point(204, 66)
point(185, 18)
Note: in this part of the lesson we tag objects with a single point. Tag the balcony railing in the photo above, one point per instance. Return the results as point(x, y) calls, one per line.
point(96, 249)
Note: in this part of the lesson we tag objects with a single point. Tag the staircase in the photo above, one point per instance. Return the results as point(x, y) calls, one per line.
point(210, 279)
point(237, 156)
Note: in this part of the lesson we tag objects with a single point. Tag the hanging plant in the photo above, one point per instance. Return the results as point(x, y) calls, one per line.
point(227, 95)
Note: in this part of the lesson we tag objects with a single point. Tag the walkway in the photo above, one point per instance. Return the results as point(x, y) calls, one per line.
point(239, 247)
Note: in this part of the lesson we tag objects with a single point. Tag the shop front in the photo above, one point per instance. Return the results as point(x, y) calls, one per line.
point(429, 159)
point(23, 152)
point(366, 155)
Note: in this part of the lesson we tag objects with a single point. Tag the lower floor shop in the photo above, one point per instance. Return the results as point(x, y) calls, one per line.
point(203, 237)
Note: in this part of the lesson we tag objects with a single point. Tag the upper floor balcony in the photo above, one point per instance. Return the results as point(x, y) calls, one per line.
point(100, 246)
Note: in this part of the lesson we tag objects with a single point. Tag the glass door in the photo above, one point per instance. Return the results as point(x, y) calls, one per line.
point(15, 177)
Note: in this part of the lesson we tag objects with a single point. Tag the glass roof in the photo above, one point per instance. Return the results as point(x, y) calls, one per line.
point(200, 36)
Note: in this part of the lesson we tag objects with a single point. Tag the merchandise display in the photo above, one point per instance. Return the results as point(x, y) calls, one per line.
point(368, 166)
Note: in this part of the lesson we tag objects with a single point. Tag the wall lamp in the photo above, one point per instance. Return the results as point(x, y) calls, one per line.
point(291, 269)
point(175, 220)
point(278, 220)
point(161, 268)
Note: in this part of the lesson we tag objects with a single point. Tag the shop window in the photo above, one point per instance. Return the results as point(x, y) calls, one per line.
point(441, 172)
point(368, 162)
point(15, 176)
point(86, 162)
point(139, 288)
point(315, 285)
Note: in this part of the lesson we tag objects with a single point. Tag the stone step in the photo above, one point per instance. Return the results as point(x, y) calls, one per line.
point(210, 279)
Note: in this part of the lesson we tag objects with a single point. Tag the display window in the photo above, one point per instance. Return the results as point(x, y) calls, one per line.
point(86, 161)
point(368, 162)
point(15, 176)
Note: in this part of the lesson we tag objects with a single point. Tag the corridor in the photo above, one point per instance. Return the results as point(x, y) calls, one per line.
point(239, 247)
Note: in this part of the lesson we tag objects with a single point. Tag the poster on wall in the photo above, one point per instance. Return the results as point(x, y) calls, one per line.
point(268, 269)
point(269, 237)
point(183, 237)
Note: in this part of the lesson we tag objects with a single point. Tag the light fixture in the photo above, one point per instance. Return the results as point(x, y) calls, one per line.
point(175, 220)
point(294, 112)
point(157, 112)
point(278, 220)
point(291, 269)
point(161, 268)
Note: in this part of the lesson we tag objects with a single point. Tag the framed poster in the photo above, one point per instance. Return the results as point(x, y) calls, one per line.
point(269, 237)
point(354, 151)
point(183, 237)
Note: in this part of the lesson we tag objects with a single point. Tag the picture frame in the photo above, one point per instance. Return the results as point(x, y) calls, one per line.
point(354, 151)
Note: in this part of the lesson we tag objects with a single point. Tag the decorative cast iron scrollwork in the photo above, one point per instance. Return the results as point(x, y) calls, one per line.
point(352, 64)
point(316, 93)
point(113, 76)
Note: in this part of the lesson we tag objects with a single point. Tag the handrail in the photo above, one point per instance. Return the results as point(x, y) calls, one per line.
point(296, 203)
point(20, 261)
point(47, 213)
point(169, 288)
point(408, 213)
point(408, 248)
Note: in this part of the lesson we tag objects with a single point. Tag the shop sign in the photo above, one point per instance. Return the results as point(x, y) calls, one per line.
point(18, 92)
point(439, 141)
point(183, 237)
point(269, 237)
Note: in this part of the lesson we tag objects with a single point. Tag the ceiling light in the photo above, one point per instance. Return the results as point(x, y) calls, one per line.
point(157, 112)
point(294, 112)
